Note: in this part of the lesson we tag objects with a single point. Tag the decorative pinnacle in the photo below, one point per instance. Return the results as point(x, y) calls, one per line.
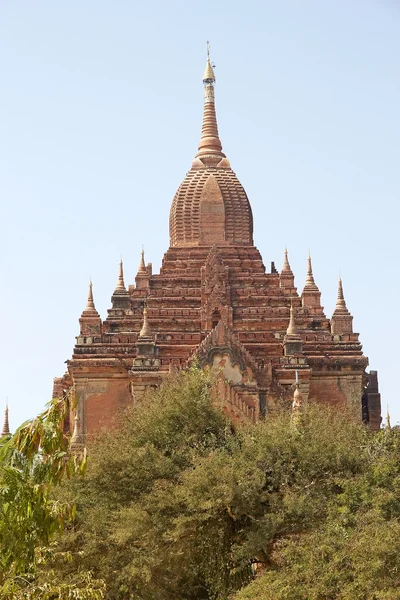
point(142, 267)
point(76, 439)
point(388, 426)
point(6, 424)
point(292, 333)
point(286, 266)
point(145, 331)
point(310, 283)
point(341, 307)
point(210, 144)
point(209, 76)
point(291, 330)
point(90, 307)
point(120, 284)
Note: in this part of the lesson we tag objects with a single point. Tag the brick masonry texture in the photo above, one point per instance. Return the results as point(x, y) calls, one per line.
point(213, 302)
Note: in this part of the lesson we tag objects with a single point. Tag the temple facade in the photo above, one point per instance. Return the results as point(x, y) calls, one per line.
point(214, 303)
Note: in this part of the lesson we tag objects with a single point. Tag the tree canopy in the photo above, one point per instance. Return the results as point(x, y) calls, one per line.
point(178, 503)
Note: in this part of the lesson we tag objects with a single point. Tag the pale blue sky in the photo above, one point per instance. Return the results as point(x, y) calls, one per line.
point(101, 107)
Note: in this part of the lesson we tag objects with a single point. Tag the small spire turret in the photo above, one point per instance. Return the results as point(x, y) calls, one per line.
point(286, 277)
point(90, 307)
point(388, 426)
point(120, 283)
point(292, 342)
point(291, 330)
point(310, 284)
point(6, 424)
point(286, 266)
point(143, 275)
point(90, 322)
point(145, 332)
point(120, 298)
point(142, 267)
point(341, 321)
point(311, 296)
point(147, 351)
point(77, 437)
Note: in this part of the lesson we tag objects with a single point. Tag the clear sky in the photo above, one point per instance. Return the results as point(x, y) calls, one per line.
point(101, 105)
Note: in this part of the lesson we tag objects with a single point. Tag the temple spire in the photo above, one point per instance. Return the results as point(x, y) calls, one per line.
point(210, 144)
point(341, 321)
point(388, 426)
point(120, 283)
point(286, 277)
point(286, 266)
point(311, 296)
point(143, 275)
point(292, 330)
point(142, 267)
point(90, 308)
point(310, 283)
point(6, 424)
point(340, 302)
point(145, 331)
point(292, 342)
point(90, 322)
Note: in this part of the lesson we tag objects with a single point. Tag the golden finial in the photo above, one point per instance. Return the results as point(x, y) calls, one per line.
point(209, 76)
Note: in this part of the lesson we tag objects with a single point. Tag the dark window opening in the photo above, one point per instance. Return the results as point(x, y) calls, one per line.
point(215, 318)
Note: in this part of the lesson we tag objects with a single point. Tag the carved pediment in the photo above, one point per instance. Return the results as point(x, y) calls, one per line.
point(215, 291)
point(223, 350)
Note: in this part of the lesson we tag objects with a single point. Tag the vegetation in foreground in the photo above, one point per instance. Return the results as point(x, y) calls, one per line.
point(176, 505)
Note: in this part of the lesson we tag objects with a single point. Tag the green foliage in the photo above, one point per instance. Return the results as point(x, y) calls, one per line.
point(32, 462)
point(175, 504)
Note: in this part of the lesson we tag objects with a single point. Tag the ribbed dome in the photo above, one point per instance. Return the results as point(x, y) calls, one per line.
point(210, 206)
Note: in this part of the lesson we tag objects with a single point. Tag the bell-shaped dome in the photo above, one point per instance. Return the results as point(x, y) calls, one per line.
point(210, 206)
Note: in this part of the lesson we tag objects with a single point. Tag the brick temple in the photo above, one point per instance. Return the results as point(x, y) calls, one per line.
point(214, 303)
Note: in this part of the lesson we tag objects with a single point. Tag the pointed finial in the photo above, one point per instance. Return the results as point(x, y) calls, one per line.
point(76, 439)
point(142, 267)
point(340, 308)
point(90, 303)
point(286, 266)
point(388, 426)
point(340, 302)
point(210, 147)
point(120, 283)
point(145, 331)
point(310, 283)
point(292, 330)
